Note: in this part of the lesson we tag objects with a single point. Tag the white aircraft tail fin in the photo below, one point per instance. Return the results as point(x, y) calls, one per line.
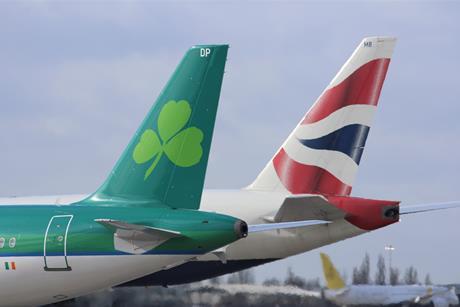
point(322, 154)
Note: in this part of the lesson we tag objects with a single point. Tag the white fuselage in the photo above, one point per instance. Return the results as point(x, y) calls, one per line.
point(30, 285)
point(384, 295)
point(254, 207)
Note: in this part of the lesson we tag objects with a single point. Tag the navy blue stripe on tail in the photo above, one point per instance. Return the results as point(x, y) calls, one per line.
point(349, 140)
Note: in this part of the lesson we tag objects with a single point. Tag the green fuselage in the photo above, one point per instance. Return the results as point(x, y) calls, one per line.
point(74, 229)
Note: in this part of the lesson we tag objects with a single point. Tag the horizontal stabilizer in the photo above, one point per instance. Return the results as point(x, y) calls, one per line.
point(307, 207)
point(134, 238)
point(285, 225)
point(428, 207)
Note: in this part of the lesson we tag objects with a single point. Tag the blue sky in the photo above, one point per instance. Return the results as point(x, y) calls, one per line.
point(76, 78)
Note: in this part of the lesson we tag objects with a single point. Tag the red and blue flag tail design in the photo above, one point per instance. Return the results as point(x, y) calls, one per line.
point(322, 154)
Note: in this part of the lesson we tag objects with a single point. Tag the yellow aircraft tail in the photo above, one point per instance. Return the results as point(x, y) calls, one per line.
point(333, 279)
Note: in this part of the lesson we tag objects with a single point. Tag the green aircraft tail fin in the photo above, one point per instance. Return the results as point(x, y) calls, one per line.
point(165, 162)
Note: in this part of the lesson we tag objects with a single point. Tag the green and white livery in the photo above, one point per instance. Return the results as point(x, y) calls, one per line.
point(143, 218)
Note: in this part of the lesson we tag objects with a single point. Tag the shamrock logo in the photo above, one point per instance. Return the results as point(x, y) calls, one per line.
point(182, 147)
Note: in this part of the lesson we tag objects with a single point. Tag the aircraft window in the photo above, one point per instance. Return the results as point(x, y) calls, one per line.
point(12, 242)
point(2, 242)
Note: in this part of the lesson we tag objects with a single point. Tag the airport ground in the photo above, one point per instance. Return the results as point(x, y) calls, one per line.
point(183, 296)
point(242, 289)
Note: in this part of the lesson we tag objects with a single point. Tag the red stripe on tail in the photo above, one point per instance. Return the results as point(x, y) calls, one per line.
point(363, 86)
point(299, 178)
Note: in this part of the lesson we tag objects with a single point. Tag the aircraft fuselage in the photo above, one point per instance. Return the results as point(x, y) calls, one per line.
point(257, 249)
point(63, 252)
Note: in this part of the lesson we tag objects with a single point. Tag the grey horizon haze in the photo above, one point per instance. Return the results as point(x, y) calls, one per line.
point(77, 78)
